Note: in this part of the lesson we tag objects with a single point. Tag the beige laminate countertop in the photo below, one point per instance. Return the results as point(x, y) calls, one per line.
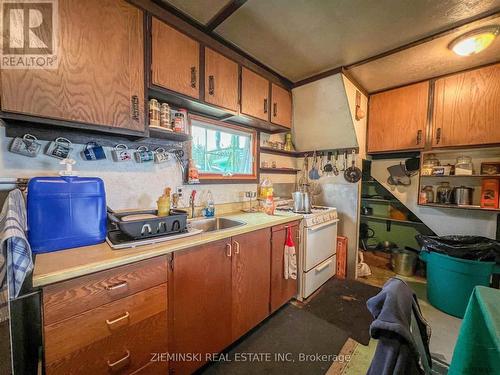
point(67, 264)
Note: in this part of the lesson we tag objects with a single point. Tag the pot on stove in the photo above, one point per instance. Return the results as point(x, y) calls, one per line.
point(301, 202)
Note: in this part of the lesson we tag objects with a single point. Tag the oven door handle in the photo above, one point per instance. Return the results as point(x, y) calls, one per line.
point(323, 266)
point(322, 225)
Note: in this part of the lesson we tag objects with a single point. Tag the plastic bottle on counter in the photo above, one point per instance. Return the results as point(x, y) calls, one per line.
point(209, 210)
point(266, 188)
point(269, 204)
point(164, 203)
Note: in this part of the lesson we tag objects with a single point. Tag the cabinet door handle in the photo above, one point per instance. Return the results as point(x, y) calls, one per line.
point(237, 247)
point(211, 85)
point(275, 109)
point(134, 106)
point(438, 135)
point(193, 77)
point(121, 284)
point(265, 105)
point(119, 319)
point(419, 137)
point(229, 249)
point(120, 363)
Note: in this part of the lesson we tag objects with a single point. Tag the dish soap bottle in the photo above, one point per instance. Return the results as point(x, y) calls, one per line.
point(164, 203)
point(209, 210)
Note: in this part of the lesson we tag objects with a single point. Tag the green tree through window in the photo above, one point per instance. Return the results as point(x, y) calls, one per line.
point(217, 149)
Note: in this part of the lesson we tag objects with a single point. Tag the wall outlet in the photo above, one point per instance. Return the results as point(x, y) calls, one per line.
point(179, 190)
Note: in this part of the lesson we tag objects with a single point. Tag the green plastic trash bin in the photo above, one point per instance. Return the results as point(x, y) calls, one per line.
point(450, 281)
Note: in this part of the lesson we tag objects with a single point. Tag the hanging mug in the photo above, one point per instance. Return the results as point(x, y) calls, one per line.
point(93, 151)
point(28, 145)
point(60, 148)
point(143, 155)
point(121, 153)
point(161, 156)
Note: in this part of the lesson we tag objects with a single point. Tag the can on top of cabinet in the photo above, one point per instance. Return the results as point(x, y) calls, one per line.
point(154, 112)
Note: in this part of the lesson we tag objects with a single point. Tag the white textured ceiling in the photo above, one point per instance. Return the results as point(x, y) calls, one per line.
point(300, 38)
point(430, 59)
point(200, 10)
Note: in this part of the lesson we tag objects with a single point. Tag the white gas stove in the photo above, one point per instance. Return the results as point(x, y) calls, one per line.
point(318, 248)
point(318, 215)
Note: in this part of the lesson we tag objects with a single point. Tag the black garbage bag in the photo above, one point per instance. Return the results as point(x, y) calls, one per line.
point(464, 247)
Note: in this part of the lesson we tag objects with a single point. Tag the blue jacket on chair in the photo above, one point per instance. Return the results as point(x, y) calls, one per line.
point(398, 350)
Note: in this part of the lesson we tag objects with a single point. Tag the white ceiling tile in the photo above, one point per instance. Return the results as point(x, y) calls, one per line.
point(300, 38)
point(424, 61)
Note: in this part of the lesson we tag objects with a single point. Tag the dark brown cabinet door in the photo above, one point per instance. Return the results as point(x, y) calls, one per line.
point(100, 76)
point(281, 110)
point(467, 108)
point(398, 118)
point(251, 280)
point(282, 290)
point(175, 61)
point(201, 302)
point(221, 80)
point(254, 95)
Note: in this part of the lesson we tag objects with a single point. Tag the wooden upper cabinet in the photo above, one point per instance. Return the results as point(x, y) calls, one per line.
point(251, 271)
point(397, 118)
point(221, 80)
point(281, 109)
point(467, 108)
point(175, 61)
point(254, 95)
point(100, 76)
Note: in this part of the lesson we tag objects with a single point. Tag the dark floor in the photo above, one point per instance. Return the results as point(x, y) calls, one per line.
point(302, 339)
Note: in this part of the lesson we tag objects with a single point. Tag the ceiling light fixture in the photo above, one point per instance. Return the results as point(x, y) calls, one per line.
point(474, 41)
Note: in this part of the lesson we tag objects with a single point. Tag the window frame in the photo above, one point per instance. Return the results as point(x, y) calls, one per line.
point(216, 178)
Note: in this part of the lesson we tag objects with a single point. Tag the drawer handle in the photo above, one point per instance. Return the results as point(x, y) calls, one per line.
point(237, 247)
point(120, 363)
point(124, 316)
point(119, 285)
point(323, 266)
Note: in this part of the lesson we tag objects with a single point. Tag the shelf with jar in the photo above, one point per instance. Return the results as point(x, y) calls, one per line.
point(462, 179)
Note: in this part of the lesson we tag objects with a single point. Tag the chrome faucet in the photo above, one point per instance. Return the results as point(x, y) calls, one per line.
point(191, 202)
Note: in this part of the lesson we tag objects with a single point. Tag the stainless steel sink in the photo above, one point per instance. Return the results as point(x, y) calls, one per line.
point(214, 224)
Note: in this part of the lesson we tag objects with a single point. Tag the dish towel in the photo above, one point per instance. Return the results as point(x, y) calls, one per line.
point(15, 252)
point(290, 257)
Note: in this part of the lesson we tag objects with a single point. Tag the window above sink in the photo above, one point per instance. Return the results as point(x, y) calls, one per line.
point(223, 152)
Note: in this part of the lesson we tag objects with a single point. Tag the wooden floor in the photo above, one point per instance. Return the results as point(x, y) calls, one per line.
point(380, 266)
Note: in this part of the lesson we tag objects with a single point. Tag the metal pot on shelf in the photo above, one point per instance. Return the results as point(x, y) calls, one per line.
point(404, 261)
point(463, 195)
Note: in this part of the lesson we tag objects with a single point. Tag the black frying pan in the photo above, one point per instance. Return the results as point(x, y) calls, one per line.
point(353, 173)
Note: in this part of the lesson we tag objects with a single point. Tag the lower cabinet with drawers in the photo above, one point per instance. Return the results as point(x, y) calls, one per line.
point(132, 319)
point(108, 322)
